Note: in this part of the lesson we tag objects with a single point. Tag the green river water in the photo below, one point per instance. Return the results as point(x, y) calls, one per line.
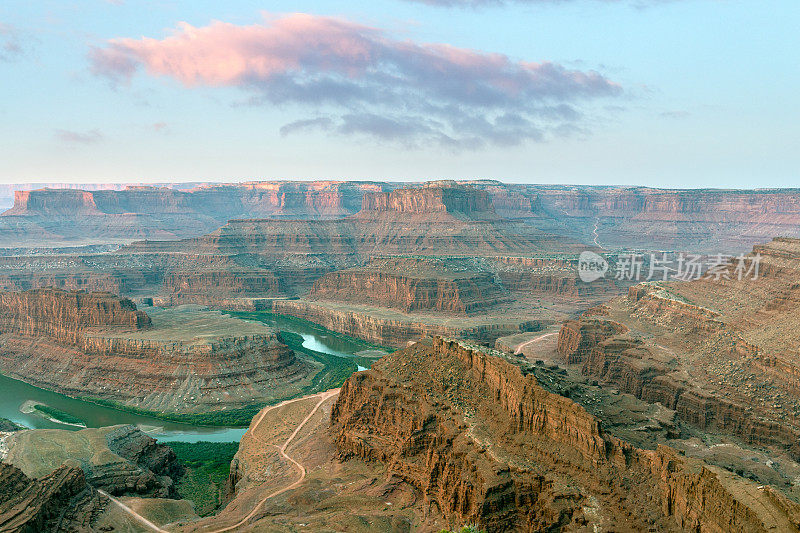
point(15, 394)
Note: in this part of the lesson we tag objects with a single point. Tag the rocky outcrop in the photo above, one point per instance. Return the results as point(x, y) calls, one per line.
point(485, 443)
point(61, 501)
point(145, 452)
point(434, 197)
point(396, 332)
point(656, 305)
point(213, 287)
point(63, 315)
point(412, 285)
point(119, 459)
point(610, 356)
point(576, 338)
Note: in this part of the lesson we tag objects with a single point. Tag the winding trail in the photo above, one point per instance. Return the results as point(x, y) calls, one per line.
point(528, 343)
point(596, 235)
point(323, 396)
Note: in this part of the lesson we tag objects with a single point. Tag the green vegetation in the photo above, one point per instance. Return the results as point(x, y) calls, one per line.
point(7, 425)
point(268, 317)
point(235, 417)
point(207, 467)
point(57, 414)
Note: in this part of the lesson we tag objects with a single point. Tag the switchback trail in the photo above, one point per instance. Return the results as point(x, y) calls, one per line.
point(282, 450)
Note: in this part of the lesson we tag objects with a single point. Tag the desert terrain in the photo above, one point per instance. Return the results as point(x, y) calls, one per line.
point(478, 379)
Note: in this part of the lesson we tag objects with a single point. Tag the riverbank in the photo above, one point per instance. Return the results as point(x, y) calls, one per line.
point(308, 339)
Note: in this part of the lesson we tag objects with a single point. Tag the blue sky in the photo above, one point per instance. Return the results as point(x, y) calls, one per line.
point(668, 93)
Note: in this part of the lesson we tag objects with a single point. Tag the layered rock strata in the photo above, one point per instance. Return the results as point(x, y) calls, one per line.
point(365, 323)
point(722, 353)
point(60, 501)
point(186, 360)
point(119, 459)
point(485, 443)
point(412, 285)
point(53, 216)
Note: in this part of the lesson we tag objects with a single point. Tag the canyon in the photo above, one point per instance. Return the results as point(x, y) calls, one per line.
point(445, 433)
point(721, 353)
point(175, 361)
point(517, 396)
point(442, 247)
point(49, 216)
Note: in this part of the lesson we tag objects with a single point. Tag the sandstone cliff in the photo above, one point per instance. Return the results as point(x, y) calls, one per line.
point(397, 330)
point(412, 284)
point(188, 360)
point(63, 316)
point(451, 198)
point(61, 215)
point(483, 442)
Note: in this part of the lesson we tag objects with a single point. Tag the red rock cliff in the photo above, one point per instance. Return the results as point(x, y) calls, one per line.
point(484, 443)
point(62, 314)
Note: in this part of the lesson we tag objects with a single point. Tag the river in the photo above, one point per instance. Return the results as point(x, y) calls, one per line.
point(16, 393)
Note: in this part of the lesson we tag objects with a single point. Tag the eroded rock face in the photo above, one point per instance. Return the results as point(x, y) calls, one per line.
point(216, 287)
point(432, 198)
point(61, 501)
point(392, 332)
point(139, 212)
point(62, 315)
point(484, 443)
point(98, 345)
point(691, 220)
point(576, 339)
point(722, 354)
point(412, 284)
point(120, 459)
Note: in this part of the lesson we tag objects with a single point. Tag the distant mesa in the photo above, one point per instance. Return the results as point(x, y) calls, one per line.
point(451, 198)
point(616, 217)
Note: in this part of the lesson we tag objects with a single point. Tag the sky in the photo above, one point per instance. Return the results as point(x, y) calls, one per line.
point(661, 93)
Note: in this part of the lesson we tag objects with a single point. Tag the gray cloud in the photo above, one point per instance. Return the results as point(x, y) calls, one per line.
point(322, 123)
point(366, 83)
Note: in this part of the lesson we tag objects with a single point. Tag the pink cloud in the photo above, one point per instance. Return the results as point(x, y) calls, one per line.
point(78, 137)
point(436, 91)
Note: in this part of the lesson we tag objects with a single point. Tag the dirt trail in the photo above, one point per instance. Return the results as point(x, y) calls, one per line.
point(528, 343)
point(323, 396)
point(133, 513)
point(596, 235)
